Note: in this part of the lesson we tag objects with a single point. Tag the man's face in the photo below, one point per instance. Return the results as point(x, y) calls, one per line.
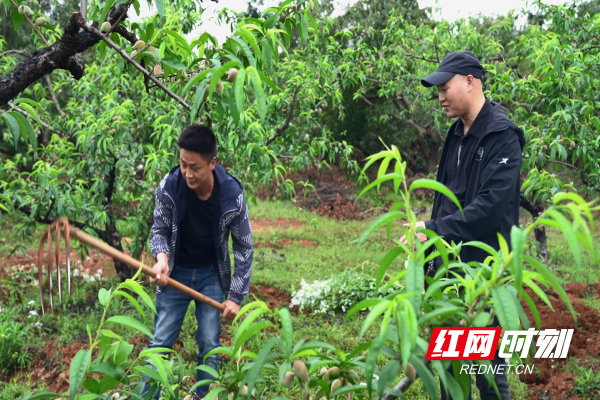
point(454, 95)
point(195, 169)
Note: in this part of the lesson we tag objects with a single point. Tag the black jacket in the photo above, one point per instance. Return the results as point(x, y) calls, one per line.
point(492, 196)
point(231, 215)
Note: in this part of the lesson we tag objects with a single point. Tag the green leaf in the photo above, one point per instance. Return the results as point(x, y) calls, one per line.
point(173, 63)
point(103, 296)
point(258, 92)
point(504, 307)
point(198, 97)
point(17, 19)
point(542, 270)
point(256, 369)
point(132, 323)
point(437, 186)
point(139, 290)
point(287, 330)
point(133, 301)
point(372, 356)
point(41, 395)
point(382, 220)
point(29, 109)
point(239, 90)
point(123, 351)
point(92, 385)
point(517, 239)
point(208, 369)
point(385, 263)
point(348, 389)
point(109, 333)
point(481, 320)
point(105, 11)
point(569, 231)
point(387, 376)
point(114, 371)
point(13, 125)
point(415, 277)
point(377, 311)
point(426, 376)
point(448, 380)
point(160, 7)
point(267, 56)
point(27, 132)
point(79, 367)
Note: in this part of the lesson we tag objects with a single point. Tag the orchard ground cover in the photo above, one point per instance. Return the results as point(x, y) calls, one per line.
point(291, 245)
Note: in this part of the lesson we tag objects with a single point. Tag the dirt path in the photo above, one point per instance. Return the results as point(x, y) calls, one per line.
point(553, 382)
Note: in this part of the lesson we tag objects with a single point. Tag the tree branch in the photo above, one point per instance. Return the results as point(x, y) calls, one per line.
point(20, 52)
point(123, 14)
point(60, 55)
point(286, 124)
point(112, 176)
point(368, 102)
point(92, 30)
point(53, 95)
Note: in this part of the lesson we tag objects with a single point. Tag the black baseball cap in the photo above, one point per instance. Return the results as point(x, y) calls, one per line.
point(457, 62)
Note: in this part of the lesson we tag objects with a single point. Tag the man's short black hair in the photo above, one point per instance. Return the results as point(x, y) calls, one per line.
point(199, 138)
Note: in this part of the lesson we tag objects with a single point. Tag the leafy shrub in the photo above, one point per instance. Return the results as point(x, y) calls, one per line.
point(12, 343)
point(340, 292)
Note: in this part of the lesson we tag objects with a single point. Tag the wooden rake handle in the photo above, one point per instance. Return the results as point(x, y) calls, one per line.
point(135, 264)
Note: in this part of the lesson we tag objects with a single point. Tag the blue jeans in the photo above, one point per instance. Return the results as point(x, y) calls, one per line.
point(171, 307)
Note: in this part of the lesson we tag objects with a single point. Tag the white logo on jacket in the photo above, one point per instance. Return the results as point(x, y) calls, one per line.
point(504, 160)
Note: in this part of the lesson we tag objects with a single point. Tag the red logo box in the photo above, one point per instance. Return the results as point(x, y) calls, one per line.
point(463, 343)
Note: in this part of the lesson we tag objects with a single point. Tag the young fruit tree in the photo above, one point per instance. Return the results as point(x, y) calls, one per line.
point(91, 117)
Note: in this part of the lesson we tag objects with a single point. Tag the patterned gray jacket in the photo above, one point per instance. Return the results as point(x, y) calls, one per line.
point(231, 215)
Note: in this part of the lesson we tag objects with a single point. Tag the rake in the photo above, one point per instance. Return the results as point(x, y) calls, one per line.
point(62, 225)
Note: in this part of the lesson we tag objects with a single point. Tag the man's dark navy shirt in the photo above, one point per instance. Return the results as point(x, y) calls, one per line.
point(197, 234)
point(462, 149)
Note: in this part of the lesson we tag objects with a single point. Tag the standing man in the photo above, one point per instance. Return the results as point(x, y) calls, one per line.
point(481, 165)
point(197, 205)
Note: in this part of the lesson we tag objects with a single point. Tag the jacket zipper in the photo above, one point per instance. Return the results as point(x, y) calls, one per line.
point(459, 149)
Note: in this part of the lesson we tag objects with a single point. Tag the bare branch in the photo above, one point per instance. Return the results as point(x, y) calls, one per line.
point(112, 44)
point(370, 103)
point(53, 95)
point(286, 124)
point(20, 52)
point(60, 55)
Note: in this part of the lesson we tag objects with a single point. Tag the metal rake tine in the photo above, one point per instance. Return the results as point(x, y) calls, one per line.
point(50, 265)
point(57, 259)
point(67, 230)
point(40, 267)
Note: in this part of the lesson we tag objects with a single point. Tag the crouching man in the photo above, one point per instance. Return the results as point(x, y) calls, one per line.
point(197, 205)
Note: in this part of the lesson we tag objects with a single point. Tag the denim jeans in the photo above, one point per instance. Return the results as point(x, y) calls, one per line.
point(171, 307)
